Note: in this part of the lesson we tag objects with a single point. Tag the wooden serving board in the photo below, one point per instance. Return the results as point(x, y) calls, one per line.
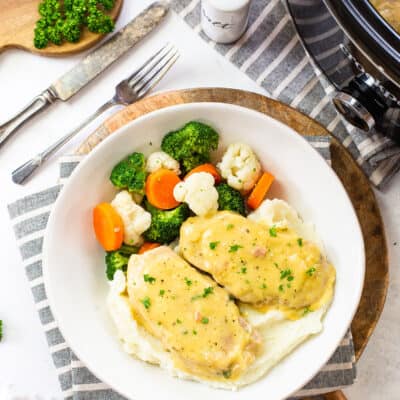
point(353, 179)
point(17, 23)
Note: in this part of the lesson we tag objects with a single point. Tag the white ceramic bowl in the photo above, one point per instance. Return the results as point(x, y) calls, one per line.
point(74, 263)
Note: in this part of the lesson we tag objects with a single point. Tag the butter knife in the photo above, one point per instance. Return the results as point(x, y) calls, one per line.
point(90, 67)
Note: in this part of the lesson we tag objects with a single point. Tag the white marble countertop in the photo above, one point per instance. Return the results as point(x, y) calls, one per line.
point(25, 363)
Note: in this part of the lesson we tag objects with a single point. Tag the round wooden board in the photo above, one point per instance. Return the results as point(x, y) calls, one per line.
point(353, 179)
point(18, 19)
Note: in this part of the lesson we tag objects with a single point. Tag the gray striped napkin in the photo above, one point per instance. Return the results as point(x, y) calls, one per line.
point(29, 217)
point(271, 54)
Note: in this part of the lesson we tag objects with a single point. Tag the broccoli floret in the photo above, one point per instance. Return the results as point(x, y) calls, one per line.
point(130, 173)
point(191, 145)
point(230, 199)
point(165, 225)
point(98, 22)
point(118, 259)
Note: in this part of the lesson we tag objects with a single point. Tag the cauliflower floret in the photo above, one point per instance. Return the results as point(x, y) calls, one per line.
point(136, 220)
point(160, 159)
point(279, 213)
point(240, 167)
point(199, 193)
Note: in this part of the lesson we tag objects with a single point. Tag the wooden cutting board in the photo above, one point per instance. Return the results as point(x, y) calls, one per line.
point(353, 179)
point(17, 22)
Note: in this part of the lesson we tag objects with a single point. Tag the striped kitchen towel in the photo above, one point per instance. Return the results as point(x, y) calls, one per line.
point(29, 217)
point(271, 54)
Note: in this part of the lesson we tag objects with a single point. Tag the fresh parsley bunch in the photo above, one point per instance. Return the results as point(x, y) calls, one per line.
point(62, 21)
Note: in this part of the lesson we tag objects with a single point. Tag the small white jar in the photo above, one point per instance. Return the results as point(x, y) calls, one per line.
point(224, 21)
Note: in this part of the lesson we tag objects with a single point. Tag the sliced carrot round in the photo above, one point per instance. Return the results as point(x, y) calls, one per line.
point(147, 246)
point(260, 190)
point(108, 226)
point(160, 189)
point(206, 168)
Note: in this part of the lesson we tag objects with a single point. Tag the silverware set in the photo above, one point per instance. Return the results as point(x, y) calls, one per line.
point(129, 90)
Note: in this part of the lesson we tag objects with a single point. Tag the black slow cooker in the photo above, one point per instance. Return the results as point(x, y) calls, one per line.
point(359, 53)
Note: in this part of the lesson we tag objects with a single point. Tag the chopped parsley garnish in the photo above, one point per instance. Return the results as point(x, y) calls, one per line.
point(227, 373)
point(148, 278)
point(285, 273)
point(194, 332)
point(310, 271)
point(272, 231)
point(243, 270)
point(206, 292)
point(188, 281)
point(178, 321)
point(306, 311)
point(205, 320)
point(229, 227)
point(290, 278)
point(300, 242)
point(234, 248)
point(280, 288)
point(263, 286)
point(146, 302)
point(162, 292)
point(213, 245)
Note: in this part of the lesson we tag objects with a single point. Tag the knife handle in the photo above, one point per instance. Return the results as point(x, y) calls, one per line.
point(38, 104)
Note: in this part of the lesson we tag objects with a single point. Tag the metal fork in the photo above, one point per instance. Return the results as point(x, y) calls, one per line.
point(131, 89)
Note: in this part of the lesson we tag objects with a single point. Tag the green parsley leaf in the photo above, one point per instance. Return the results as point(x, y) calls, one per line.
point(263, 286)
point(280, 288)
point(162, 292)
point(229, 227)
point(272, 231)
point(188, 281)
point(146, 302)
point(234, 248)
point(194, 332)
point(300, 242)
point(205, 320)
point(148, 278)
point(285, 273)
point(213, 245)
point(227, 373)
point(243, 270)
point(207, 291)
point(178, 321)
point(310, 271)
point(306, 311)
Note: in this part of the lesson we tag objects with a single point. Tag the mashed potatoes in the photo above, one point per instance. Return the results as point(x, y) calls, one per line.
point(277, 332)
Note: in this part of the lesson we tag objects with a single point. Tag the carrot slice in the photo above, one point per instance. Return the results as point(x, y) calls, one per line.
point(206, 168)
point(147, 246)
point(108, 226)
point(160, 189)
point(260, 190)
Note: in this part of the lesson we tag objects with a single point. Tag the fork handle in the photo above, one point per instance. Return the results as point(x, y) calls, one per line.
point(24, 171)
point(38, 104)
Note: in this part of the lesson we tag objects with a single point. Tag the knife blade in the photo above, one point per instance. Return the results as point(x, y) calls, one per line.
point(90, 67)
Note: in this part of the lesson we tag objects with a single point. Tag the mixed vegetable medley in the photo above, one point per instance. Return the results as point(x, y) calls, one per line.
point(156, 195)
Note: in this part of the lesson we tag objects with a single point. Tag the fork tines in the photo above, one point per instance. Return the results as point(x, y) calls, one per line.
point(153, 70)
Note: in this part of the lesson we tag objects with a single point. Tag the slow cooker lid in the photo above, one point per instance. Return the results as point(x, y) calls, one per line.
point(371, 33)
